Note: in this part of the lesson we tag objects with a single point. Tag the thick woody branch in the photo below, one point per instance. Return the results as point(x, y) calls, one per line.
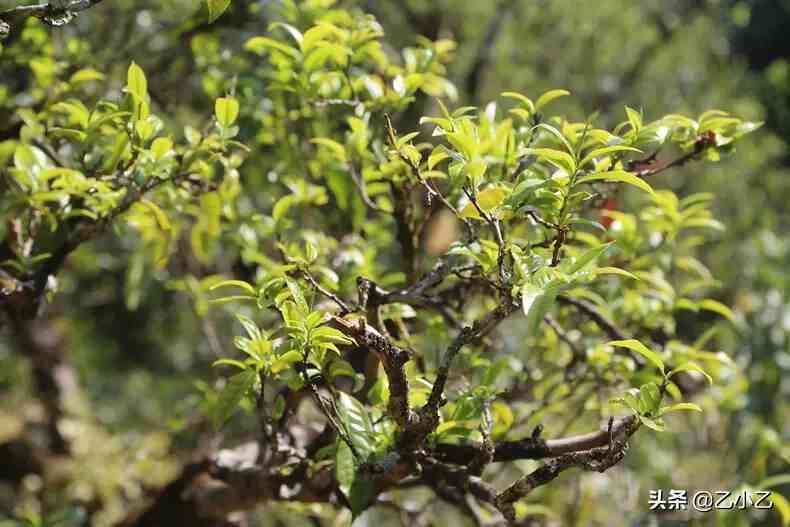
point(597, 459)
point(458, 477)
point(533, 447)
point(393, 358)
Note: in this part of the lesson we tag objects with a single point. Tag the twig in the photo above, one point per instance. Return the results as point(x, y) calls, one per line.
point(344, 308)
point(480, 328)
point(603, 322)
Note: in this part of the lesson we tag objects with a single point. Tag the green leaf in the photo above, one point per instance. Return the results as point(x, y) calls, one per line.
point(615, 270)
point(634, 118)
point(537, 301)
point(379, 393)
point(279, 407)
point(285, 360)
point(283, 205)
point(587, 257)
point(345, 469)
point(620, 176)
point(161, 218)
point(230, 362)
point(782, 506)
point(774, 481)
point(655, 424)
point(606, 151)
point(161, 147)
point(717, 307)
point(227, 111)
point(336, 148)
point(475, 170)
point(557, 158)
point(438, 155)
point(470, 212)
point(490, 198)
point(234, 283)
point(327, 334)
point(259, 45)
point(679, 407)
point(691, 366)
point(297, 295)
point(231, 396)
point(340, 367)
point(631, 399)
point(549, 96)
point(136, 83)
point(556, 133)
point(526, 101)
point(359, 489)
point(356, 421)
point(216, 8)
point(295, 33)
point(503, 419)
point(85, 75)
point(638, 347)
point(649, 398)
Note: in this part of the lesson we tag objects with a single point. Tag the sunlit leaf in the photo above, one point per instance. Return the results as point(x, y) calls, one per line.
point(618, 176)
point(216, 8)
point(638, 347)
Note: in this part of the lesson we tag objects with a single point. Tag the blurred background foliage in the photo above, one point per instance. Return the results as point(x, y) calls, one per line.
point(138, 341)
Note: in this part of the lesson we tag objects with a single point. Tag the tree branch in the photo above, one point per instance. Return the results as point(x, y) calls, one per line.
point(481, 327)
point(55, 13)
point(393, 358)
point(597, 459)
point(532, 447)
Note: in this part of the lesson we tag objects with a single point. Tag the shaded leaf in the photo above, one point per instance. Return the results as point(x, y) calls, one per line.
point(231, 396)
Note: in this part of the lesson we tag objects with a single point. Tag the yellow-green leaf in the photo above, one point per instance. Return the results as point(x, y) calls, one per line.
point(136, 82)
point(717, 307)
point(336, 148)
point(490, 198)
point(615, 270)
point(216, 8)
point(557, 158)
point(438, 155)
point(619, 176)
point(526, 101)
point(161, 147)
point(227, 110)
point(470, 212)
point(638, 347)
point(607, 150)
point(85, 75)
point(234, 283)
point(549, 96)
point(691, 366)
point(685, 407)
point(782, 506)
